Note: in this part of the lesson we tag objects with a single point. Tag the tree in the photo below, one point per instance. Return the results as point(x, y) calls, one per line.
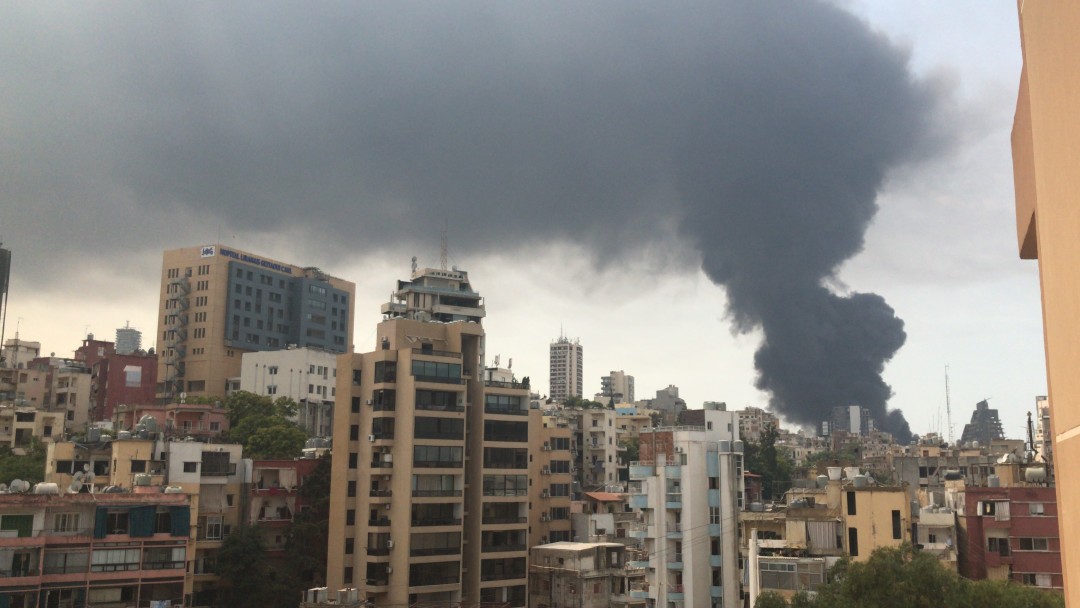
point(770, 600)
point(263, 425)
point(241, 565)
point(633, 448)
point(278, 439)
point(901, 577)
point(307, 538)
point(774, 465)
point(30, 467)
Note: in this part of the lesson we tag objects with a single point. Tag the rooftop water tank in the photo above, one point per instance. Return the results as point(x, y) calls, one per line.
point(46, 488)
point(1035, 474)
point(860, 481)
point(822, 481)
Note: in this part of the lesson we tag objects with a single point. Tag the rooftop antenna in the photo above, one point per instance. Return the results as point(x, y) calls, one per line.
point(413, 267)
point(948, 406)
point(442, 250)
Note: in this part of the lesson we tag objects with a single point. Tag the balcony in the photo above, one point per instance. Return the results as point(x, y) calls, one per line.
point(674, 531)
point(640, 591)
point(505, 411)
point(641, 470)
point(676, 592)
point(435, 493)
point(381, 521)
point(439, 379)
point(674, 500)
point(498, 384)
point(380, 493)
point(639, 501)
point(676, 563)
point(639, 531)
point(439, 407)
point(436, 353)
point(437, 521)
point(502, 548)
point(673, 471)
point(716, 561)
point(716, 591)
point(429, 551)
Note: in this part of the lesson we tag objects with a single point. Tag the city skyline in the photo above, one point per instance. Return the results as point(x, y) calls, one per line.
point(941, 251)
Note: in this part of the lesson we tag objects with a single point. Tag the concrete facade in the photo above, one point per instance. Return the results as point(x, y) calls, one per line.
point(582, 575)
point(431, 459)
point(1045, 144)
point(217, 303)
point(567, 362)
point(308, 376)
point(688, 490)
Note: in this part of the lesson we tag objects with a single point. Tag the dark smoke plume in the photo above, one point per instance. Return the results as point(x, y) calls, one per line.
point(760, 131)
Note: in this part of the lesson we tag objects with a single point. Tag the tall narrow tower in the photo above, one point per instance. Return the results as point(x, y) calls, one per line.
point(567, 369)
point(5, 276)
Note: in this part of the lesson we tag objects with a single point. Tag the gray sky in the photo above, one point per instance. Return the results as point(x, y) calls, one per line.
point(586, 159)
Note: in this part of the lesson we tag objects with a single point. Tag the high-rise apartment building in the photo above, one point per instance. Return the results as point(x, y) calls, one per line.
point(128, 339)
point(431, 460)
point(688, 489)
point(985, 425)
point(617, 387)
point(1045, 136)
point(217, 303)
point(852, 419)
point(567, 369)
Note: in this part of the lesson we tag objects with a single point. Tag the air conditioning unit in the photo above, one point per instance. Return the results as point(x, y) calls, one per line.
point(389, 544)
point(544, 517)
point(371, 437)
point(388, 457)
point(368, 402)
point(547, 447)
point(386, 478)
point(387, 506)
point(545, 471)
point(678, 450)
point(544, 494)
point(389, 569)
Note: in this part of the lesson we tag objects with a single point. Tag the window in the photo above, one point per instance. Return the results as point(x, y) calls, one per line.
point(115, 560)
point(349, 544)
point(851, 504)
point(714, 515)
point(426, 427)
point(351, 492)
point(998, 545)
point(1034, 544)
point(853, 539)
point(897, 529)
point(1036, 508)
point(353, 459)
point(350, 517)
point(117, 522)
point(65, 522)
point(560, 489)
point(212, 527)
point(354, 432)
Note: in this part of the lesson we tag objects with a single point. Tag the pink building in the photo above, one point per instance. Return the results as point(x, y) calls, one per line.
point(93, 549)
point(176, 419)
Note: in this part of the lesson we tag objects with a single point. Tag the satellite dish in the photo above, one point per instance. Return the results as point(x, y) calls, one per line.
point(3, 487)
point(78, 476)
point(75, 487)
point(86, 467)
point(18, 485)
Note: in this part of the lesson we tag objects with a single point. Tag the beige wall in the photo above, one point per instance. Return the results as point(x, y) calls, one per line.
point(873, 518)
point(1046, 145)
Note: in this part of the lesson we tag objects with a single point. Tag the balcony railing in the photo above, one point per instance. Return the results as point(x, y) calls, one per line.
point(435, 493)
point(382, 521)
point(502, 576)
point(426, 551)
point(440, 407)
point(502, 548)
point(506, 411)
point(437, 464)
point(434, 580)
point(379, 493)
point(437, 521)
point(505, 520)
point(436, 353)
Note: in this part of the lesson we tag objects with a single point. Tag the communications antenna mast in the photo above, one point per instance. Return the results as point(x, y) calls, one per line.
point(948, 406)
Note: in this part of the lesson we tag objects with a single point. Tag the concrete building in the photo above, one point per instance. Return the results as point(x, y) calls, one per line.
point(985, 426)
point(567, 369)
point(1012, 534)
point(120, 379)
point(667, 402)
point(1045, 136)
point(688, 490)
point(94, 549)
point(851, 419)
point(17, 353)
point(214, 476)
point(549, 515)
point(308, 376)
point(753, 421)
point(217, 303)
point(431, 459)
point(601, 449)
point(128, 340)
point(274, 499)
point(582, 575)
point(1044, 435)
point(616, 387)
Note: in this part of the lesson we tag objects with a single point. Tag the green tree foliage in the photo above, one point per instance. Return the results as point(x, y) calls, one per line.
point(770, 600)
point(241, 564)
point(262, 425)
point(574, 402)
point(633, 448)
point(307, 538)
point(773, 464)
point(902, 577)
point(30, 467)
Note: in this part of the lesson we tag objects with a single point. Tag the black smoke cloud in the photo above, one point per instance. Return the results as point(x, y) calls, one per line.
point(761, 131)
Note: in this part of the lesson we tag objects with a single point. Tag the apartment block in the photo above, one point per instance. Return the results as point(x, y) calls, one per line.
point(71, 550)
point(217, 303)
point(213, 476)
point(308, 376)
point(753, 421)
point(688, 489)
point(549, 517)
point(431, 460)
point(274, 500)
point(1013, 534)
point(582, 575)
point(616, 387)
point(567, 373)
